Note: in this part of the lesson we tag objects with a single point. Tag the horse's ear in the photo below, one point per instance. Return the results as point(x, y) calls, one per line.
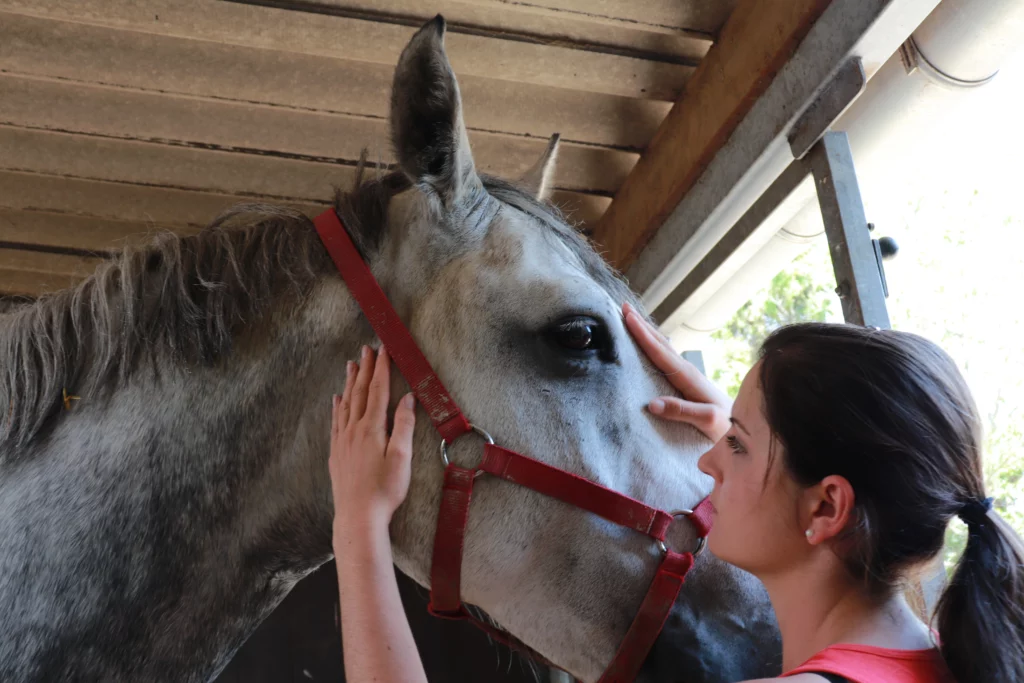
point(427, 129)
point(537, 180)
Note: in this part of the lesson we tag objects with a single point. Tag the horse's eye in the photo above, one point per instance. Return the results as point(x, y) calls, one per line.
point(577, 334)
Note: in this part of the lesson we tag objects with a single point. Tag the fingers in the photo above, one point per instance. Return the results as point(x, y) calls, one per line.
point(683, 375)
point(651, 341)
point(398, 458)
point(380, 388)
point(343, 403)
point(336, 416)
point(400, 444)
point(709, 418)
point(361, 387)
point(628, 308)
point(703, 405)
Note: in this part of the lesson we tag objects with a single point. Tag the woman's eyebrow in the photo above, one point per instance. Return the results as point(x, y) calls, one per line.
point(739, 424)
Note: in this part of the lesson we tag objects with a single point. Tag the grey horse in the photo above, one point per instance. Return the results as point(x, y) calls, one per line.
point(149, 527)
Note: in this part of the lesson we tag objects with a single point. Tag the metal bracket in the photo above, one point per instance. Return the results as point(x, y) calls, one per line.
point(885, 248)
point(856, 257)
point(845, 85)
point(913, 59)
point(853, 255)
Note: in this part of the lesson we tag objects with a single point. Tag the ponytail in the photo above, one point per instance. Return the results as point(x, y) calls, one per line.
point(891, 413)
point(981, 614)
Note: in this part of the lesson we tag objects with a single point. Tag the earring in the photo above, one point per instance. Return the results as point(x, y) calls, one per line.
point(809, 533)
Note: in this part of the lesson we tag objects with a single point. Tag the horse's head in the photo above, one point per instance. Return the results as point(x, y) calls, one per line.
point(521, 319)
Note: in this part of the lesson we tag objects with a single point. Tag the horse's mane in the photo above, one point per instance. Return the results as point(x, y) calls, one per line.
point(184, 297)
point(178, 295)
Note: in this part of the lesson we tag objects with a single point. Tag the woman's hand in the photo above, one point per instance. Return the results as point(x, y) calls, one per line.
point(369, 471)
point(702, 405)
point(370, 478)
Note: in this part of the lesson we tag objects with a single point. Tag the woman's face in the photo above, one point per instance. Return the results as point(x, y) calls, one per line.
point(757, 519)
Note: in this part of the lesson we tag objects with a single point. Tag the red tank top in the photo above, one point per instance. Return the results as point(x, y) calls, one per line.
point(867, 664)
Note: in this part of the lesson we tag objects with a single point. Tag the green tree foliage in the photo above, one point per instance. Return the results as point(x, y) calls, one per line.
point(794, 295)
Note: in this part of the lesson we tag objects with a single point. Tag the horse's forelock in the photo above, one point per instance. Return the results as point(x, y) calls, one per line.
point(363, 210)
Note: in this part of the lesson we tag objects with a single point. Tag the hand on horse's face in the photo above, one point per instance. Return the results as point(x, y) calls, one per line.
point(702, 405)
point(369, 470)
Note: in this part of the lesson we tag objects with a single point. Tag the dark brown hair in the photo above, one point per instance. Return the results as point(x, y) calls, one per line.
point(891, 413)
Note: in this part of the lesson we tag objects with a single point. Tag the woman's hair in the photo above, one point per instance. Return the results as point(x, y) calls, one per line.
point(890, 412)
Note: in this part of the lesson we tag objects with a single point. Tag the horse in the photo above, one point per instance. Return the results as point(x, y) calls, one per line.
point(148, 527)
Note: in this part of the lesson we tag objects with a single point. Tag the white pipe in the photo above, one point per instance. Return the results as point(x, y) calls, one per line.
point(958, 48)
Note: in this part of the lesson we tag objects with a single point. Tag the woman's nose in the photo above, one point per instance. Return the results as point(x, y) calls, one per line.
point(708, 463)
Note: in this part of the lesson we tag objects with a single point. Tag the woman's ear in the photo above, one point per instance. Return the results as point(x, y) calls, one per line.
point(828, 509)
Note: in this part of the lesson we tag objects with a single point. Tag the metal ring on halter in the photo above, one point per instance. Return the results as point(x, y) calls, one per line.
point(701, 542)
point(444, 444)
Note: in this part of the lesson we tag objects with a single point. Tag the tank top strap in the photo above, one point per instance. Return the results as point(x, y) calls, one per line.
point(868, 664)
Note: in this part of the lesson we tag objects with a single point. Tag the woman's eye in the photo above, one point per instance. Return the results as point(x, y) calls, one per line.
point(734, 444)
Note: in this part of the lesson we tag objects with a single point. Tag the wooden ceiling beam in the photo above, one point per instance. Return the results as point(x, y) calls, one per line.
point(57, 159)
point(63, 231)
point(654, 15)
point(757, 40)
point(365, 38)
point(133, 61)
point(320, 147)
point(586, 31)
point(143, 205)
point(33, 273)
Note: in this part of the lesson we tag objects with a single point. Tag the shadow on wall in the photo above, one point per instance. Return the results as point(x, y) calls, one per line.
point(300, 642)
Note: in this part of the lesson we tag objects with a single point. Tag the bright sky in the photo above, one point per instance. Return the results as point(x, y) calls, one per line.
point(954, 207)
point(959, 219)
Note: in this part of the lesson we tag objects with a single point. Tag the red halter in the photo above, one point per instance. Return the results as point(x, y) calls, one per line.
point(445, 595)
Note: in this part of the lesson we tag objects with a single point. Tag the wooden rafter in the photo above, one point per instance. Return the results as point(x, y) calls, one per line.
point(756, 41)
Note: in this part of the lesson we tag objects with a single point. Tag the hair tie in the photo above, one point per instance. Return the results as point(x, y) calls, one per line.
point(974, 512)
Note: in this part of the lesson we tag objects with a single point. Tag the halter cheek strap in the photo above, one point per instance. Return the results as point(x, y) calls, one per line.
point(426, 385)
point(515, 468)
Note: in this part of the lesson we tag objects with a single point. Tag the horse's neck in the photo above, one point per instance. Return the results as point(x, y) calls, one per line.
point(181, 509)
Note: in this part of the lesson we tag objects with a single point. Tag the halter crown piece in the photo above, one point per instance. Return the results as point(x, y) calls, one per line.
point(975, 511)
point(512, 467)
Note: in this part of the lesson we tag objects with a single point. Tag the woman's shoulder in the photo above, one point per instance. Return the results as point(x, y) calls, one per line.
point(867, 664)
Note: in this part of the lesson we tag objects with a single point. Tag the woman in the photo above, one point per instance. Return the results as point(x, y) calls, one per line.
point(847, 453)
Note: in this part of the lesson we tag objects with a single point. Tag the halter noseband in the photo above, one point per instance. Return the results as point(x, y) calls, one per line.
point(448, 419)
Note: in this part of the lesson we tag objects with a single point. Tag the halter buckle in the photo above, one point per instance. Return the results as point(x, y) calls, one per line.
point(444, 443)
point(702, 541)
